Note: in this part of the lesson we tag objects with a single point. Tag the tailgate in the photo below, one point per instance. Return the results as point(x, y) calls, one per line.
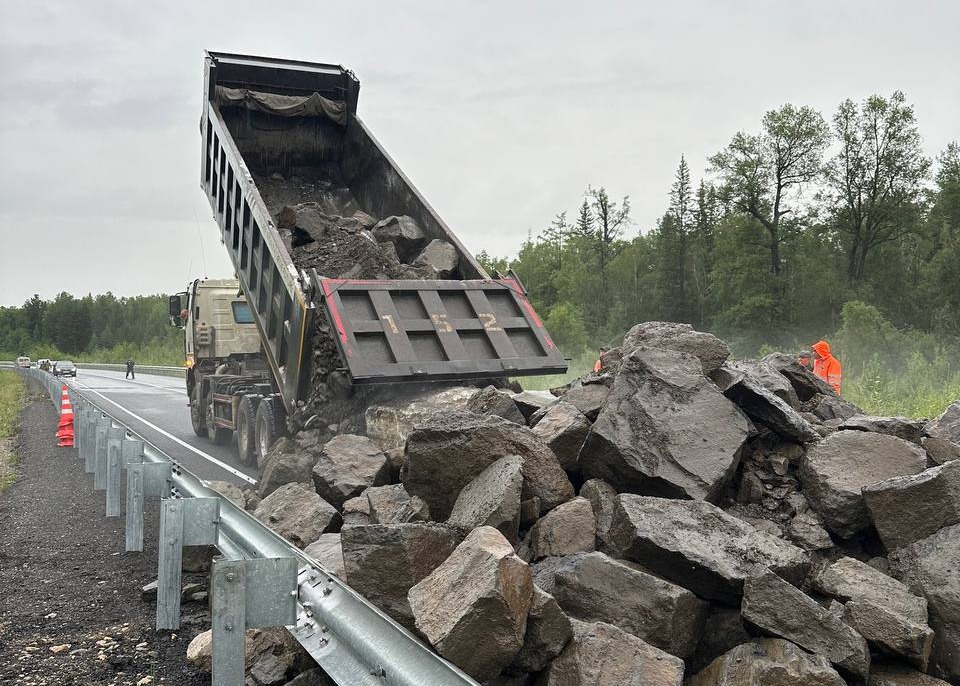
point(389, 331)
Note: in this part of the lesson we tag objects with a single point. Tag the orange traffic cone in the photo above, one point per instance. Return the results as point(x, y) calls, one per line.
point(65, 428)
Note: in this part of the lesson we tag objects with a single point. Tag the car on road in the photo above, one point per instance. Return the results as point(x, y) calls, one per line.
point(23, 361)
point(65, 368)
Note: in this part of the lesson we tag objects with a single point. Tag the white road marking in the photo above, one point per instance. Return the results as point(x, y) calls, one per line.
point(206, 456)
point(139, 383)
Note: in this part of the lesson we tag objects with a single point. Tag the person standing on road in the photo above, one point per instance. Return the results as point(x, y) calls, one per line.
point(826, 366)
point(130, 374)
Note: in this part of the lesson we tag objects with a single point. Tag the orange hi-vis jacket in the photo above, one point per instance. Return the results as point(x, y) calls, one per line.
point(827, 367)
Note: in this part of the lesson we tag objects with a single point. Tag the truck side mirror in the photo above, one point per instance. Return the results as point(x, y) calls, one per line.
point(173, 306)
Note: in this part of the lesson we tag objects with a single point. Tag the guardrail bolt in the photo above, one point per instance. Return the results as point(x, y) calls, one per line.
point(231, 576)
point(327, 591)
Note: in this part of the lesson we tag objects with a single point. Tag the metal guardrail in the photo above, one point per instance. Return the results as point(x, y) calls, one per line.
point(262, 579)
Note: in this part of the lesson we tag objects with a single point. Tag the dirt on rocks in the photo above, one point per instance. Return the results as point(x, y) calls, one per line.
point(71, 611)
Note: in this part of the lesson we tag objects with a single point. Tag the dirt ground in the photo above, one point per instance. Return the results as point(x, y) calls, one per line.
point(71, 610)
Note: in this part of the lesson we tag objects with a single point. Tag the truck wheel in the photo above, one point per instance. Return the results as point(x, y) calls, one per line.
point(218, 434)
point(198, 416)
point(270, 426)
point(246, 429)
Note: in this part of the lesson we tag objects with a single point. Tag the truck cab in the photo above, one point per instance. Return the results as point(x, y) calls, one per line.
point(223, 355)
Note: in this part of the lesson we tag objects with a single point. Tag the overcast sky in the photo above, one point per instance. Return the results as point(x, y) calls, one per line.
point(500, 112)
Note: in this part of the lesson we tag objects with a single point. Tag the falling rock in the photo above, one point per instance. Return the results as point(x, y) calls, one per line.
point(563, 428)
point(900, 675)
point(710, 350)
point(880, 608)
point(777, 607)
point(328, 551)
point(393, 505)
point(665, 430)
point(448, 451)
point(297, 513)
point(403, 232)
point(765, 407)
point(930, 567)
point(284, 464)
point(593, 587)
point(940, 450)
point(907, 508)
point(808, 532)
point(473, 607)
point(834, 471)
point(588, 398)
point(490, 400)
point(805, 384)
point(492, 499)
point(346, 466)
point(901, 427)
point(601, 654)
point(569, 528)
point(384, 561)
point(439, 257)
point(699, 546)
point(767, 662)
point(548, 631)
point(390, 424)
point(532, 401)
point(947, 425)
point(602, 497)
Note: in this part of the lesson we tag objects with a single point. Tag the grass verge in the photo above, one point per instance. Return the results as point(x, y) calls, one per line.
point(11, 400)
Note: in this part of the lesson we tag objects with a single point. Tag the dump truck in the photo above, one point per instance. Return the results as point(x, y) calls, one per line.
point(281, 140)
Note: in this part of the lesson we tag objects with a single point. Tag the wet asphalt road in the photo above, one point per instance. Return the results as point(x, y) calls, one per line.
point(156, 408)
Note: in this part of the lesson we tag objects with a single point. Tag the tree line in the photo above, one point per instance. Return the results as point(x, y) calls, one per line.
point(83, 326)
point(788, 224)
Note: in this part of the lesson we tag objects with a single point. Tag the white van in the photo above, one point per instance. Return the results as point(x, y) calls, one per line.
point(23, 362)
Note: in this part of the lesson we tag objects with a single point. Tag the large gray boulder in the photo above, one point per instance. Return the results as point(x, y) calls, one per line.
point(384, 561)
point(834, 471)
point(285, 463)
point(707, 348)
point(907, 508)
point(940, 450)
point(767, 376)
point(492, 499)
point(665, 430)
point(764, 406)
point(947, 425)
point(723, 630)
point(473, 607)
point(530, 402)
point(777, 607)
point(931, 567)
point(346, 466)
point(548, 630)
point(805, 384)
point(439, 258)
point(328, 551)
point(901, 427)
point(297, 513)
point(601, 654)
point(564, 429)
point(767, 662)
point(593, 587)
point(602, 497)
point(393, 505)
point(390, 423)
point(699, 546)
point(449, 450)
point(589, 398)
point(490, 400)
point(880, 608)
point(403, 232)
point(832, 407)
point(900, 675)
point(569, 528)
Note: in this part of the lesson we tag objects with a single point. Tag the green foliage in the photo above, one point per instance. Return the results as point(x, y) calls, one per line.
point(11, 399)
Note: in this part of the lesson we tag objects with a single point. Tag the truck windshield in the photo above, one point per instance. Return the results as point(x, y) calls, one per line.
point(241, 313)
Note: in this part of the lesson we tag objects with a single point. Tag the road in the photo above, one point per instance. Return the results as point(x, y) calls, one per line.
point(156, 408)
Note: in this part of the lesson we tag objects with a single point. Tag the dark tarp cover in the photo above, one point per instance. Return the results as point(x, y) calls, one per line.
point(314, 105)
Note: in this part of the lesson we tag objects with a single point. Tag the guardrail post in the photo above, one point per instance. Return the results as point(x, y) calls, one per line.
point(100, 468)
point(247, 594)
point(113, 476)
point(131, 452)
point(103, 423)
point(144, 479)
point(183, 521)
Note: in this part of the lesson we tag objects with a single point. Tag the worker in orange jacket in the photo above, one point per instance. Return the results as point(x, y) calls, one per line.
point(826, 366)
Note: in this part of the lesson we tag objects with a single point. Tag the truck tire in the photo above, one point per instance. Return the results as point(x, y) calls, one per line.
point(270, 426)
point(198, 415)
point(246, 429)
point(218, 434)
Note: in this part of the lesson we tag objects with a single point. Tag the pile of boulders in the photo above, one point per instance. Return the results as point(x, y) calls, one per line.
point(676, 516)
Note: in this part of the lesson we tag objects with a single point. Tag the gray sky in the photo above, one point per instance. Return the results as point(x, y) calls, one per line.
point(500, 112)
